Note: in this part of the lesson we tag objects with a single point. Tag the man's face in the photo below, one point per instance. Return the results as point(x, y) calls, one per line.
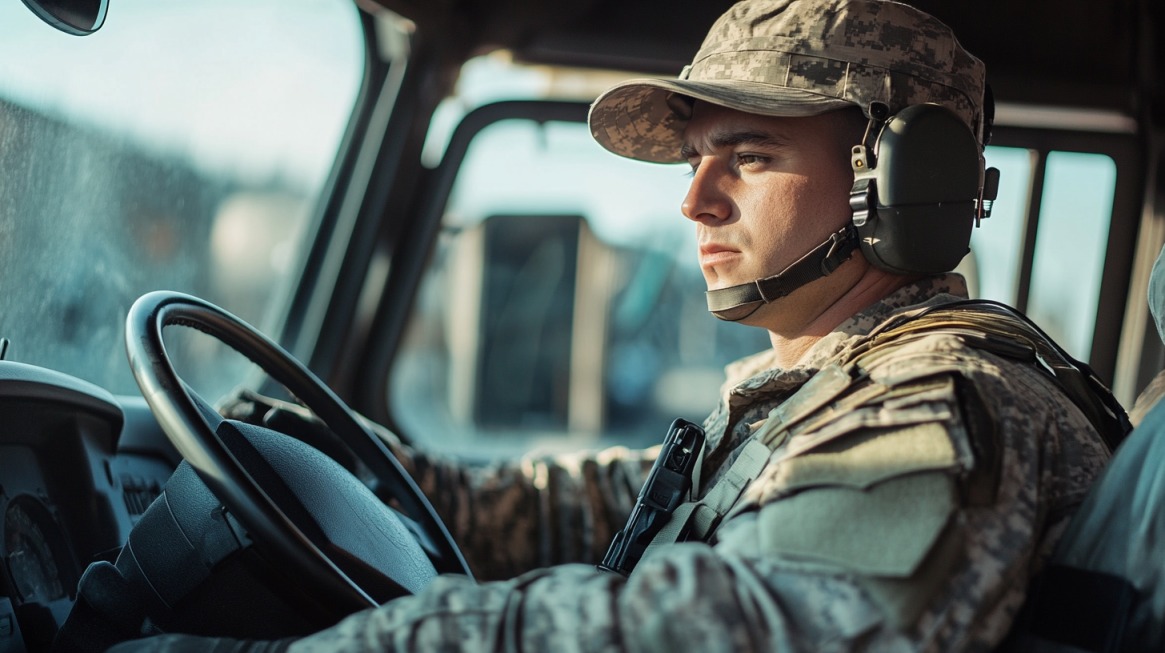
point(764, 190)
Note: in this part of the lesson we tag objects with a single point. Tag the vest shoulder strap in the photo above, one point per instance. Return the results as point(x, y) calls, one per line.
point(1004, 331)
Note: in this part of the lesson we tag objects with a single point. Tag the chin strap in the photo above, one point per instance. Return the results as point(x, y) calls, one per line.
point(738, 302)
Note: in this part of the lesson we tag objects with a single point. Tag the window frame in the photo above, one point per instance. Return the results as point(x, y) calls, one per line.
point(1116, 273)
point(412, 251)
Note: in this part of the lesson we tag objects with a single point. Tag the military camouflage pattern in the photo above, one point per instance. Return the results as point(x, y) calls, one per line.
point(1018, 455)
point(512, 517)
point(797, 58)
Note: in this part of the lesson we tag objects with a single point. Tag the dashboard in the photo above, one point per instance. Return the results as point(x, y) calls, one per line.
point(78, 467)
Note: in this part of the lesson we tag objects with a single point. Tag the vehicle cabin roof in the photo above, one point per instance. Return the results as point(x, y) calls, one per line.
point(1078, 53)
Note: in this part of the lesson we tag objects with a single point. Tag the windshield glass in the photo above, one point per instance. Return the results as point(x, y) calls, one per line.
point(173, 149)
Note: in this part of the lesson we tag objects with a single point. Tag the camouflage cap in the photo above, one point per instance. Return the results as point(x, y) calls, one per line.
point(797, 58)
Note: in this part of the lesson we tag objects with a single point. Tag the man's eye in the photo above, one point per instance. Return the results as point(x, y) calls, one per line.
point(750, 159)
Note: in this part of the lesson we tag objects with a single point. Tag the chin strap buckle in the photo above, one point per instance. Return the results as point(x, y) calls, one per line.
point(841, 245)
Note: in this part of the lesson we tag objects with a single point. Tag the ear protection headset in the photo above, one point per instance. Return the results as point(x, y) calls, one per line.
point(919, 187)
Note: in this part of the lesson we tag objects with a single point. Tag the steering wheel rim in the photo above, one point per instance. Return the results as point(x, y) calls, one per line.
point(195, 439)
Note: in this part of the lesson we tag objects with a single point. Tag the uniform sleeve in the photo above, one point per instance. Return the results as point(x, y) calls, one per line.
point(511, 517)
point(690, 599)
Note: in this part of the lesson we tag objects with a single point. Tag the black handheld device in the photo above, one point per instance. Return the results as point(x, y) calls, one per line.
point(667, 486)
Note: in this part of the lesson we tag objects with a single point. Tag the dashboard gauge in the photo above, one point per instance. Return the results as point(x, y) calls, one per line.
point(32, 542)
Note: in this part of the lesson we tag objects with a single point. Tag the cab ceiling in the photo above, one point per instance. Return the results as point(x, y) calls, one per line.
point(1085, 53)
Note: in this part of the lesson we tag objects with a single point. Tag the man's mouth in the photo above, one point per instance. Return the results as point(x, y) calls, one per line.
point(716, 254)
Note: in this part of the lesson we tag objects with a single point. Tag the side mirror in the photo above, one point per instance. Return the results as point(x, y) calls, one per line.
point(78, 17)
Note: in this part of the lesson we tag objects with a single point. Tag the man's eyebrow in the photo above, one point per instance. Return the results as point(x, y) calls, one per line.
point(729, 139)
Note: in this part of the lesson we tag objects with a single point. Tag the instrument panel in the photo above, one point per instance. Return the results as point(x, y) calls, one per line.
point(37, 556)
point(77, 468)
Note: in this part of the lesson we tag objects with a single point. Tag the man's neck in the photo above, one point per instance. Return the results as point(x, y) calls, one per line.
point(793, 339)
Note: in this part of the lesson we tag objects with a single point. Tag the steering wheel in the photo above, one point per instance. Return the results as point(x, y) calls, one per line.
point(248, 493)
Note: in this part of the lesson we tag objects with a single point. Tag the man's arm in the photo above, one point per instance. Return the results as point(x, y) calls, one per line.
point(753, 590)
point(749, 592)
point(691, 599)
point(514, 516)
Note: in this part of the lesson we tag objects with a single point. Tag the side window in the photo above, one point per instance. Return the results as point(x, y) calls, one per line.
point(563, 303)
point(1069, 255)
point(1070, 232)
point(997, 245)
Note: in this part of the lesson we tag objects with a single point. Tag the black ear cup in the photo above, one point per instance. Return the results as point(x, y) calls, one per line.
point(915, 200)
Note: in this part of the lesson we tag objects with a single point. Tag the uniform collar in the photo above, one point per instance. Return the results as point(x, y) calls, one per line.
point(759, 373)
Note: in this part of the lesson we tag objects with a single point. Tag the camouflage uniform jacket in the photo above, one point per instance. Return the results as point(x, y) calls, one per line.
point(912, 520)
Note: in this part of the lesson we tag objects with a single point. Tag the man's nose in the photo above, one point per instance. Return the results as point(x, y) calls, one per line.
point(707, 200)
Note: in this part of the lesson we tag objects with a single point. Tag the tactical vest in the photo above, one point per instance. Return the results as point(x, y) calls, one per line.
point(981, 324)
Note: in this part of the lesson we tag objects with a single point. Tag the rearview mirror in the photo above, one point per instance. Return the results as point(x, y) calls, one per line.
point(78, 17)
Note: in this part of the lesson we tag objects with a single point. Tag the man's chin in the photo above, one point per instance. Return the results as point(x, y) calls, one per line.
point(723, 282)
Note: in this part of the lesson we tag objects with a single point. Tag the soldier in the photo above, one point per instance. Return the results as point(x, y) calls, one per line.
point(887, 477)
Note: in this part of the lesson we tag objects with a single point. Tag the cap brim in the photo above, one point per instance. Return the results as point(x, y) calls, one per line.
point(633, 119)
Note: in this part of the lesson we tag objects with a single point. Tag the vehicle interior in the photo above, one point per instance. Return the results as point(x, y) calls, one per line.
point(391, 212)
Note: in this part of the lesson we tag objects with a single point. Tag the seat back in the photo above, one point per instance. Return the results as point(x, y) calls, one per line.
point(1104, 588)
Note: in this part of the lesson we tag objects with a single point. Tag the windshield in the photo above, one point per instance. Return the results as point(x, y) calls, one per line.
point(172, 149)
